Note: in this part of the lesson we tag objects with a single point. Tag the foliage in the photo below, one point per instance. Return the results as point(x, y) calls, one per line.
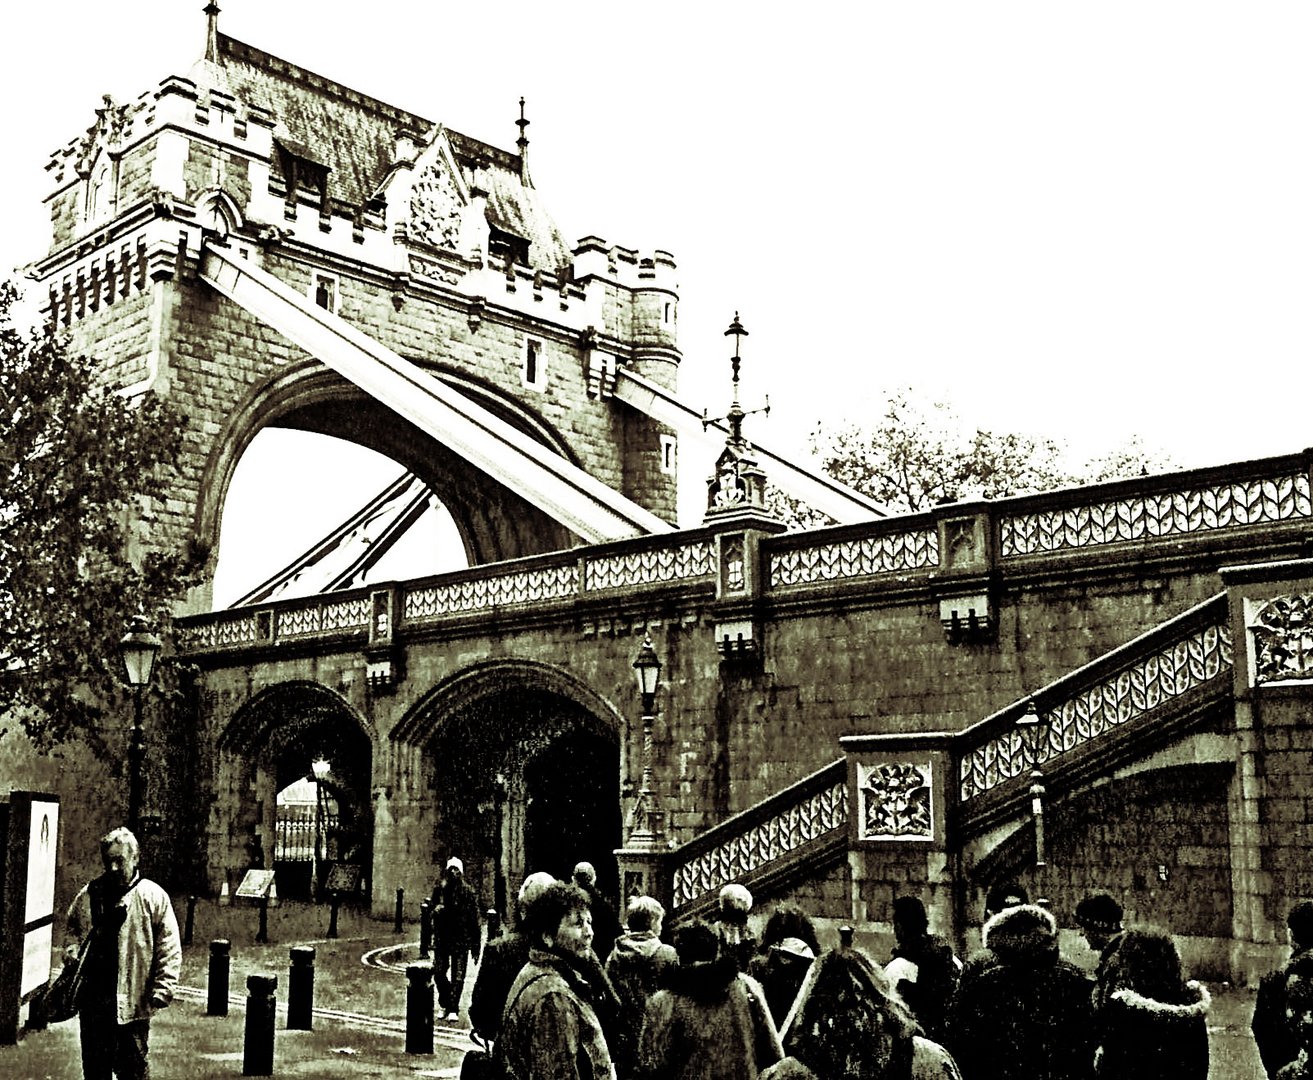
point(77, 462)
point(918, 455)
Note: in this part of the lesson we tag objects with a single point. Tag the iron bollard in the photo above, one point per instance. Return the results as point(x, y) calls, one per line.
point(401, 899)
point(191, 920)
point(425, 929)
point(334, 898)
point(301, 988)
point(419, 1008)
point(220, 964)
point(261, 1009)
point(845, 937)
point(262, 935)
point(494, 923)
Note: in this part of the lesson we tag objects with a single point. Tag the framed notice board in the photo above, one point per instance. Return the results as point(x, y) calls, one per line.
point(30, 850)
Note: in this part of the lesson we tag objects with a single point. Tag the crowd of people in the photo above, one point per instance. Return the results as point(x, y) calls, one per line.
point(554, 998)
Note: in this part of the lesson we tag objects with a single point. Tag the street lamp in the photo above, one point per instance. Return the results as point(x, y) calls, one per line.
point(1034, 731)
point(645, 827)
point(139, 648)
point(319, 771)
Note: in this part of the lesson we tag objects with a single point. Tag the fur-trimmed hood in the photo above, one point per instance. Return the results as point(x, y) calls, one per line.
point(1025, 935)
point(1198, 1005)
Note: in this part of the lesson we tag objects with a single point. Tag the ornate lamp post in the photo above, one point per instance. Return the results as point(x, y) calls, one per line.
point(139, 648)
point(319, 771)
point(645, 831)
point(1034, 732)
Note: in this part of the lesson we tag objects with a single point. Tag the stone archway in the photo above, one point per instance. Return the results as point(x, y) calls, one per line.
point(523, 763)
point(270, 744)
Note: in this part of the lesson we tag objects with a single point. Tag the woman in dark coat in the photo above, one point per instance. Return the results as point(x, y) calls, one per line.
point(1154, 1023)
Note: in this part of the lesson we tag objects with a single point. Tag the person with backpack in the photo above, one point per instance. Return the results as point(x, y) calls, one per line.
point(1273, 1030)
point(923, 969)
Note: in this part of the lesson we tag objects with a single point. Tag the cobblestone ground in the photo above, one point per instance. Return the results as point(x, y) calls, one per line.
point(359, 1026)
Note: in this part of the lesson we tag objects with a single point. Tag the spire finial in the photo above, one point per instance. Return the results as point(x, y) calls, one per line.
point(212, 32)
point(523, 143)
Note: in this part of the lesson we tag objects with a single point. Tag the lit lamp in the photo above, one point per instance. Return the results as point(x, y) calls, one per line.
point(139, 648)
point(319, 771)
point(645, 828)
point(1034, 732)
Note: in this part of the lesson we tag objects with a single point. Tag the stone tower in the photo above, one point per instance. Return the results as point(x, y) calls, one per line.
point(358, 218)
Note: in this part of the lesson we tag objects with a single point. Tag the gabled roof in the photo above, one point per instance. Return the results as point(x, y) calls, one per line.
point(355, 137)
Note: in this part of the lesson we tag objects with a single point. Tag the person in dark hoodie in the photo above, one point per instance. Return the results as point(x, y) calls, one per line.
point(1299, 1006)
point(637, 968)
point(711, 1022)
point(1153, 1023)
point(1272, 1030)
point(1027, 1016)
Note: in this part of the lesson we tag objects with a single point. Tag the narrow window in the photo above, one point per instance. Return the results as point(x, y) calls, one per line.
point(667, 316)
point(325, 292)
point(533, 364)
point(668, 455)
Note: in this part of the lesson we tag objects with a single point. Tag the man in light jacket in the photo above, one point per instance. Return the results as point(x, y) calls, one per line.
point(131, 963)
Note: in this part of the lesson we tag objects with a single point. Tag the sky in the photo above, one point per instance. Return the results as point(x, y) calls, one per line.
point(1072, 220)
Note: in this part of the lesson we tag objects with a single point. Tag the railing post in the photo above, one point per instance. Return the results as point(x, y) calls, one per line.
point(216, 1003)
point(191, 920)
point(425, 929)
point(301, 988)
point(261, 1010)
point(334, 899)
point(399, 922)
point(419, 1008)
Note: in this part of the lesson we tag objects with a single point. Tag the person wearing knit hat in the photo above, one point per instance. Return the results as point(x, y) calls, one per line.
point(456, 934)
point(1100, 918)
point(736, 938)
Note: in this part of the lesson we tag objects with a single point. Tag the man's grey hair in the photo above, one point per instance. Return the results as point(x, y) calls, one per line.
point(122, 835)
point(584, 874)
point(644, 913)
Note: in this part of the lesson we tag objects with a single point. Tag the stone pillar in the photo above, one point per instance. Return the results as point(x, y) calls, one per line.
point(643, 872)
point(898, 834)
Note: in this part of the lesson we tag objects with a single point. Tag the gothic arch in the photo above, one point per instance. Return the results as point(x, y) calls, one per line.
point(254, 725)
point(494, 522)
point(432, 714)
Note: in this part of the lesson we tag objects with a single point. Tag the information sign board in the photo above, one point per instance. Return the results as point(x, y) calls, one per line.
point(256, 884)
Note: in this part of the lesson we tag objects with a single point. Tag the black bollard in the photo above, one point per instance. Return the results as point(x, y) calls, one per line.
point(334, 898)
point(261, 1010)
point(262, 935)
point(401, 899)
point(191, 920)
point(220, 964)
point(425, 929)
point(494, 923)
point(419, 1007)
point(301, 988)
point(845, 937)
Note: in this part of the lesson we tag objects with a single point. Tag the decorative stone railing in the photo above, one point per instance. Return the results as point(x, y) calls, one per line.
point(893, 546)
point(1119, 687)
point(748, 845)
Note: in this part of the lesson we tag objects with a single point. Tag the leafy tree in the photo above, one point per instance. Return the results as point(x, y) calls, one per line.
point(75, 461)
point(918, 455)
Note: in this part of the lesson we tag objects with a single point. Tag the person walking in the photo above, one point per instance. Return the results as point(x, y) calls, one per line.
point(550, 1030)
point(1273, 1030)
point(456, 934)
point(132, 959)
point(850, 1024)
point(637, 967)
point(503, 958)
point(1153, 1023)
point(1027, 1016)
point(923, 969)
point(711, 1022)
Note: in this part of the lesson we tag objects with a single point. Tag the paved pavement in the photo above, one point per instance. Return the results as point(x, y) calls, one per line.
point(359, 1022)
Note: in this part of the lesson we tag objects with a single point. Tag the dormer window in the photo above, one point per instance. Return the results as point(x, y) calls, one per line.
point(504, 247)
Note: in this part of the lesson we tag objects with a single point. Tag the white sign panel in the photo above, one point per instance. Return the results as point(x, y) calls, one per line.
point(36, 959)
point(41, 848)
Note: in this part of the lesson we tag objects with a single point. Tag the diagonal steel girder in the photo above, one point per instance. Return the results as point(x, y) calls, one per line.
point(585, 505)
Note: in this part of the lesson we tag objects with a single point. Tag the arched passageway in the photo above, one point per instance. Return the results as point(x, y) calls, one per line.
point(298, 760)
point(526, 772)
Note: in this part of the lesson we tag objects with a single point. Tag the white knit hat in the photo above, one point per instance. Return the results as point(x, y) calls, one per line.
point(455, 864)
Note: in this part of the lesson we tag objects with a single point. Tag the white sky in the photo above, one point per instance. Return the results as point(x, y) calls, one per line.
point(1080, 220)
